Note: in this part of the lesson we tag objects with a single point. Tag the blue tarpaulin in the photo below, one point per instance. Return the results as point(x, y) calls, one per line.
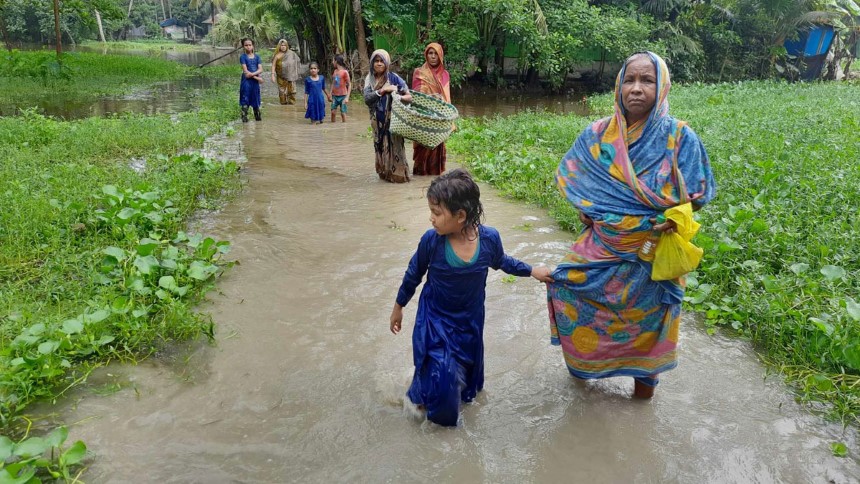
point(812, 42)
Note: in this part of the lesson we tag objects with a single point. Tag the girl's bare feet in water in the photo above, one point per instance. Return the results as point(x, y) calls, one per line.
point(641, 390)
point(415, 411)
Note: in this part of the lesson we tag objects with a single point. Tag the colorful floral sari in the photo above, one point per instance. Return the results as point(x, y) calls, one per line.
point(607, 314)
point(429, 80)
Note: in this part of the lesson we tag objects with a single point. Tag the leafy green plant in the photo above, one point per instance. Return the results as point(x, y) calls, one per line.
point(839, 449)
point(31, 458)
point(43, 66)
point(146, 282)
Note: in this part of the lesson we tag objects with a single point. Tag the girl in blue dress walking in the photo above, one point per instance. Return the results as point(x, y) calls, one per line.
point(447, 342)
point(249, 90)
point(315, 95)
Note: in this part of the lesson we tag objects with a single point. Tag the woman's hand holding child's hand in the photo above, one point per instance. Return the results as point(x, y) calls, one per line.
point(543, 274)
point(668, 226)
point(396, 318)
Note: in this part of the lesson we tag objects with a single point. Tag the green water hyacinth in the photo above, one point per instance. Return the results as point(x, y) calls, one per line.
point(33, 458)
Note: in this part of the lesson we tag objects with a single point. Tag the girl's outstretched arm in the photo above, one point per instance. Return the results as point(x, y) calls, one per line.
point(514, 266)
point(543, 274)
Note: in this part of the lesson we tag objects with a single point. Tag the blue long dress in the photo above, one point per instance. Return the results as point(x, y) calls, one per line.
point(447, 342)
point(249, 90)
point(316, 98)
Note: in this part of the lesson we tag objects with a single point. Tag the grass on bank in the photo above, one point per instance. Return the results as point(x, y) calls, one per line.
point(781, 240)
point(80, 77)
point(147, 45)
point(94, 261)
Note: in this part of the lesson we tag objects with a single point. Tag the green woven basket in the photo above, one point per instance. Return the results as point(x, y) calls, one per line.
point(426, 120)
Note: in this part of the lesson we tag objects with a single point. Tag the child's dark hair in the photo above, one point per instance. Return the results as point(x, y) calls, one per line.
point(455, 190)
point(313, 64)
point(338, 59)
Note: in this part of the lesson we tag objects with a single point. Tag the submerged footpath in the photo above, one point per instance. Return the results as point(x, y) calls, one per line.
point(305, 382)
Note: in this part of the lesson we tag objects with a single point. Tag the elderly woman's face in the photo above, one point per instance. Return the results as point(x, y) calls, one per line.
point(432, 57)
point(639, 88)
point(378, 65)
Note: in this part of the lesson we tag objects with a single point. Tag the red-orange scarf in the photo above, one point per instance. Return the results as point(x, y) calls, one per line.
point(429, 80)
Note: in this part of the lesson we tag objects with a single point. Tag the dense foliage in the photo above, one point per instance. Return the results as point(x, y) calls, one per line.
point(703, 41)
point(781, 266)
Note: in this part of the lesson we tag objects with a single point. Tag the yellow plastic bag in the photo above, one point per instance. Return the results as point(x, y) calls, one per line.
point(675, 254)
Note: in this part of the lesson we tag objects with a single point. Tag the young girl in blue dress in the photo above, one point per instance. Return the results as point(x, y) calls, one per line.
point(447, 342)
point(315, 95)
point(249, 90)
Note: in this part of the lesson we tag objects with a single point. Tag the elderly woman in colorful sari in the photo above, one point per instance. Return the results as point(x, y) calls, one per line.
point(431, 78)
point(379, 86)
point(607, 314)
point(285, 72)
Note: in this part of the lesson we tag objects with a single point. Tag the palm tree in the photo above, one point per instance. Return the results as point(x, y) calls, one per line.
point(243, 18)
point(215, 6)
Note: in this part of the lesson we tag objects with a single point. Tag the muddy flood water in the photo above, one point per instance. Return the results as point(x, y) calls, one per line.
point(306, 384)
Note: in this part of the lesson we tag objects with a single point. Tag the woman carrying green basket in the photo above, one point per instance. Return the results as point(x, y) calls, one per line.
point(379, 86)
point(433, 79)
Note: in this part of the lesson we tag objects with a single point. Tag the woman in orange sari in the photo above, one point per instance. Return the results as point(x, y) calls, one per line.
point(431, 78)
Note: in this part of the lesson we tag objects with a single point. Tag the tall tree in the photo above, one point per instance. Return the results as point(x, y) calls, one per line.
point(364, 61)
point(101, 28)
point(3, 30)
point(429, 16)
point(57, 29)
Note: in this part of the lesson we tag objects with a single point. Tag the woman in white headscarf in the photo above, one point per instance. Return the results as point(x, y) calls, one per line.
point(380, 84)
